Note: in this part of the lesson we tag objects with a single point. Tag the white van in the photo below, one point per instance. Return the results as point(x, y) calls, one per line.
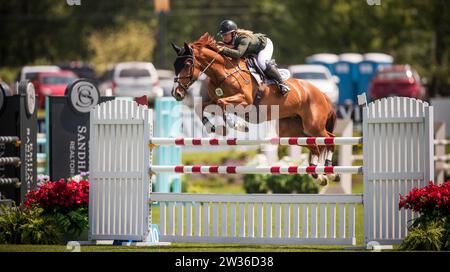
point(134, 79)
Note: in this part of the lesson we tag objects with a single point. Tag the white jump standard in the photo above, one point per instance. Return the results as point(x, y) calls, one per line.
point(398, 153)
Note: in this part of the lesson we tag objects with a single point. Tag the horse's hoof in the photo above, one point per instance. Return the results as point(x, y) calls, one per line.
point(334, 177)
point(323, 181)
point(242, 127)
point(337, 178)
point(315, 176)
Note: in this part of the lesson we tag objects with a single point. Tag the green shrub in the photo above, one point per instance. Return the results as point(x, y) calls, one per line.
point(255, 184)
point(21, 225)
point(231, 179)
point(446, 238)
point(72, 223)
point(425, 237)
point(289, 184)
point(184, 184)
point(301, 184)
point(283, 150)
point(278, 184)
point(431, 229)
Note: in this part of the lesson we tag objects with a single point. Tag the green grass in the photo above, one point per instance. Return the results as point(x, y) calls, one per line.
point(217, 158)
point(229, 189)
point(180, 247)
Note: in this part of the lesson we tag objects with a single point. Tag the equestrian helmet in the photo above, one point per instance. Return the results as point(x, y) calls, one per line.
point(227, 26)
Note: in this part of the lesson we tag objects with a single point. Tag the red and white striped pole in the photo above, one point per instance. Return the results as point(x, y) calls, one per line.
point(203, 169)
point(275, 141)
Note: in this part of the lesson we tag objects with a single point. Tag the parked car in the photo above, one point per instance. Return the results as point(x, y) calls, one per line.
point(132, 79)
point(81, 69)
point(105, 82)
point(166, 78)
point(319, 76)
point(397, 80)
point(29, 72)
point(52, 83)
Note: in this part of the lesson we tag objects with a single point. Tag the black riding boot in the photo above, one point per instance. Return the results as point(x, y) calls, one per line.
point(272, 73)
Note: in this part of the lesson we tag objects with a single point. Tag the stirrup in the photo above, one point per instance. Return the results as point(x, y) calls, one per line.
point(284, 89)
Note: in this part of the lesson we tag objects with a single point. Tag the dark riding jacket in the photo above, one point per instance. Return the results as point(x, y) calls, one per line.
point(246, 45)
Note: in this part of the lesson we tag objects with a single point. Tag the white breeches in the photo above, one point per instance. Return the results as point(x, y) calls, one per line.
point(265, 55)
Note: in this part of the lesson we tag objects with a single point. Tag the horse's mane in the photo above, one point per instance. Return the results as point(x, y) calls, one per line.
point(205, 40)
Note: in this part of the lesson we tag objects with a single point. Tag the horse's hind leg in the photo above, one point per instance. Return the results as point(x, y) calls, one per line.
point(329, 159)
point(329, 151)
point(318, 155)
point(293, 127)
point(317, 158)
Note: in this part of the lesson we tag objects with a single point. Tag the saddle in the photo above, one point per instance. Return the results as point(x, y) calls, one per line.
point(260, 76)
point(258, 73)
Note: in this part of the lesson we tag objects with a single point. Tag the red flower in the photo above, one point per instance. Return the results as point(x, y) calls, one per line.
point(59, 195)
point(433, 200)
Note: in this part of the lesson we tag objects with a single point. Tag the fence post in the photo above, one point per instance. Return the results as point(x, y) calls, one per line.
point(439, 134)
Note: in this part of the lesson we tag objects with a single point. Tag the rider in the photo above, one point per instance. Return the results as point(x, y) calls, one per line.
point(246, 43)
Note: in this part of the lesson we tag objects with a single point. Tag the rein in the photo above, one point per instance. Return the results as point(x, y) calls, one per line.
point(238, 70)
point(191, 76)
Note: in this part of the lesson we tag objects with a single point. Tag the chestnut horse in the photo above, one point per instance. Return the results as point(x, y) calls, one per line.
point(304, 112)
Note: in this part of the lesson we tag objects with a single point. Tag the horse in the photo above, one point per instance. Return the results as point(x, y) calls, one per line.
point(304, 112)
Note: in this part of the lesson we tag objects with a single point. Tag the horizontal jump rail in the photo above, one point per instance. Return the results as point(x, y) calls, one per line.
point(10, 160)
point(257, 198)
point(274, 140)
point(441, 142)
point(10, 140)
point(442, 158)
point(201, 169)
point(8, 181)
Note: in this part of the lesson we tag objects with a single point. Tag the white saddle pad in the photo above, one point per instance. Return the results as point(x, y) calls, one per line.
point(285, 75)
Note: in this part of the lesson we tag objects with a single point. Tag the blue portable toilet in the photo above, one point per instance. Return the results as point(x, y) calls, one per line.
point(167, 123)
point(325, 59)
point(347, 71)
point(369, 67)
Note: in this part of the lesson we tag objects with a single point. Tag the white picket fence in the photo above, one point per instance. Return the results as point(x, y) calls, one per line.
point(258, 219)
point(398, 155)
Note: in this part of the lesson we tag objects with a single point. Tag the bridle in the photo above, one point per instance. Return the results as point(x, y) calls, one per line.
point(191, 72)
point(185, 87)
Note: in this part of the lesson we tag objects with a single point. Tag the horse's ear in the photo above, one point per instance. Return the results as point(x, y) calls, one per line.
point(176, 48)
point(187, 48)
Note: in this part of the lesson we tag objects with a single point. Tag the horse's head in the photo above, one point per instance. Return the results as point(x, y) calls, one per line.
point(187, 66)
point(185, 71)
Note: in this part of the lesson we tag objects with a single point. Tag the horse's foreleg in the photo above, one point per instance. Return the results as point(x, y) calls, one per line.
point(228, 116)
point(205, 120)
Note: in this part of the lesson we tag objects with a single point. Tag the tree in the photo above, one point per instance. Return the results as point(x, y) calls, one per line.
point(134, 41)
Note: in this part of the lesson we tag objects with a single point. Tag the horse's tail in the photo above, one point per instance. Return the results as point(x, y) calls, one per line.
point(331, 120)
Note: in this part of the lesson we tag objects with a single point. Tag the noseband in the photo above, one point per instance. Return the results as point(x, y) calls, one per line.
point(190, 76)
point(191, 72)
